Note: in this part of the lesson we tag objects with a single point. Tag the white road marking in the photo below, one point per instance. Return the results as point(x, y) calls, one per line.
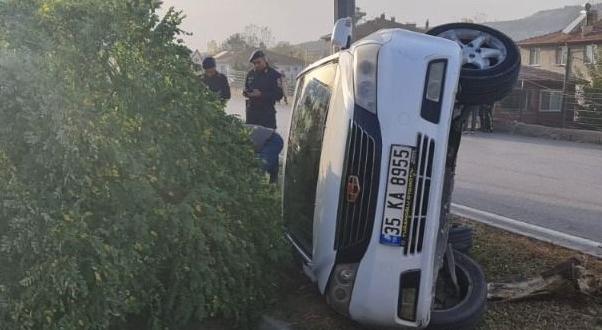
point(540, 233)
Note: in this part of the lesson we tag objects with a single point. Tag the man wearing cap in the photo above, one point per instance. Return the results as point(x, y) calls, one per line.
point(217, 82)
point(263, 88)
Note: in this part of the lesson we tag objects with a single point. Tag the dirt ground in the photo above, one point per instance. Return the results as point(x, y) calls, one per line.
point(504, 256)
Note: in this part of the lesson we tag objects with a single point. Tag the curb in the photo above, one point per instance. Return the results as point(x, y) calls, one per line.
point(550, 133)
point(580, 244)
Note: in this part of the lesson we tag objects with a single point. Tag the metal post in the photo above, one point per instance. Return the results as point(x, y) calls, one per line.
point(523, 107)
point(344, 8)
point(565, 85)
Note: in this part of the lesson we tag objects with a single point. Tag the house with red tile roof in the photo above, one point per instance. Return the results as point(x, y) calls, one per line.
point(540, 93)
point(549, 51)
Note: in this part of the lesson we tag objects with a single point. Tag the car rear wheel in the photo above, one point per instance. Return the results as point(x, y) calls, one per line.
point(463, 309)
point(491, 62)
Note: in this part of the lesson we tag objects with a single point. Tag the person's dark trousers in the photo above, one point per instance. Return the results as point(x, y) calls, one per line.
point(489, 119)
point(473, 120)
point(270, 156)
point(486, 119)
point(262, 117)
point(470, 114)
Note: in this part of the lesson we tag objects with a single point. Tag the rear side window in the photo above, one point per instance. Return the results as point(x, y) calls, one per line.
point(433, 91)
point(304, 150)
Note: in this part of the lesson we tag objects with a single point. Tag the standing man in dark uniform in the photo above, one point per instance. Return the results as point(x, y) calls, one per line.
point(217, 82)
point(263, 88)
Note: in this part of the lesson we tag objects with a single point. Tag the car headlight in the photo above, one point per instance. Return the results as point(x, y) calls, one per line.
point(434, 86)
point(433, 92)
point(366, 76)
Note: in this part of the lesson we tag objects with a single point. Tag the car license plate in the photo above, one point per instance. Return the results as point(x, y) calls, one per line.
point(400, 196)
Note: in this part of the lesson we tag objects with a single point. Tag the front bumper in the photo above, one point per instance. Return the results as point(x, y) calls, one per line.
point(394, 285)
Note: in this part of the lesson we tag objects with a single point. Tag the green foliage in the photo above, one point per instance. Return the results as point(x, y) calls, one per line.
point(285, 48)
point(254, 37)
point(589, 109)
point(236, 42)
point(126, 190)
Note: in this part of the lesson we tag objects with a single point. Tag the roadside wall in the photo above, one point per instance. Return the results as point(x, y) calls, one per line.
point(564, 134)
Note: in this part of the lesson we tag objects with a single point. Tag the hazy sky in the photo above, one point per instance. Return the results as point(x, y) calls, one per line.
point(304, 20)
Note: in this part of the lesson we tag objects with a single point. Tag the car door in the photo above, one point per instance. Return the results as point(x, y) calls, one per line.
point(308, 121)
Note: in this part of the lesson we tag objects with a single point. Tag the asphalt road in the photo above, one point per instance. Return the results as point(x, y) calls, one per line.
point(552, 184)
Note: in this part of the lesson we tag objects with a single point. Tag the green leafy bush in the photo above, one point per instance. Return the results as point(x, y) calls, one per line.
point(126, 192)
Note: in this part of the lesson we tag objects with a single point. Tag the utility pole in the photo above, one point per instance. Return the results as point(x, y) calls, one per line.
point(344, 8)
point(565, 85)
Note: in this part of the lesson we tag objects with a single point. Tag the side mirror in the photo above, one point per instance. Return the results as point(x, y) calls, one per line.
point(342, 33)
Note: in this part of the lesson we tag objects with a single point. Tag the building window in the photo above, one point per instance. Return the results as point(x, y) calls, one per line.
point(534, 56)
point(591, 54)
point(550, 101)
point(561, 55)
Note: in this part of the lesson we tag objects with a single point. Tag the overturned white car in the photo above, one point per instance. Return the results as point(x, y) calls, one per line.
point(369, 169)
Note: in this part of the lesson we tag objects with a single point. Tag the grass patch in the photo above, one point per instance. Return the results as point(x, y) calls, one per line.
point(508, 257)
point(503, 256)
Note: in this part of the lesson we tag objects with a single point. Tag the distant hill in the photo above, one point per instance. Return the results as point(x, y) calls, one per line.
point(542, 22)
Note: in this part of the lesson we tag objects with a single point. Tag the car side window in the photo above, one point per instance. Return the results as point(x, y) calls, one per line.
point(308, 122)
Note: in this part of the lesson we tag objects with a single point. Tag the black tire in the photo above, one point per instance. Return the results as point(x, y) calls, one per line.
point(486, 86)
point(468, 311)
point(461, 238)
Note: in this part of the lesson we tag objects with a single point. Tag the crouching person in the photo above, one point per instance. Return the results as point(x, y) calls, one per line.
point(268, 145)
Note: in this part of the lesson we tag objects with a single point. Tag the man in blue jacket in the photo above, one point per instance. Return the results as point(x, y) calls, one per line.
point(268, 144)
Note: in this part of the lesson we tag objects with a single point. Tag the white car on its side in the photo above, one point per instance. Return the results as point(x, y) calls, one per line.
point(373, 140)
